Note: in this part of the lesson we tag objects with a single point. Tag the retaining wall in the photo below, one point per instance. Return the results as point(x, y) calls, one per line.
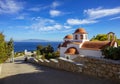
point(101, 67)
point(87, 65)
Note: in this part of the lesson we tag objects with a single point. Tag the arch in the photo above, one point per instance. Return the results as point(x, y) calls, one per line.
point(71, 51)
point(109, 36)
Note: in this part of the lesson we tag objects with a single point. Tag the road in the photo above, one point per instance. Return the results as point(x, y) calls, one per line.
point(21, 72)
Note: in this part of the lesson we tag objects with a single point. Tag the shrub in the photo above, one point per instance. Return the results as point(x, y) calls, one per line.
point(111, 53)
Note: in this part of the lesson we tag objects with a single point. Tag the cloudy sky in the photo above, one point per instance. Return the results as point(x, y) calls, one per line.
point(53, 19)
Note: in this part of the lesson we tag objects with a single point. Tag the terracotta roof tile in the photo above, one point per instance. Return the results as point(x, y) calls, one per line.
point(95, 45)
point(68, 37)
point(80, 30)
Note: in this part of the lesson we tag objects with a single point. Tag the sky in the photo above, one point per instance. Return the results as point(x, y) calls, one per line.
point(53, 19)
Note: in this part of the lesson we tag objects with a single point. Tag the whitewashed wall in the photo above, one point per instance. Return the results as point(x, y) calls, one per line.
point(73, 45)
point(62, 51)
point(94, 53)
point(70, 56)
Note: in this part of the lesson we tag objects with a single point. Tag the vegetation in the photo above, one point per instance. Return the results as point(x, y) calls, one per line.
point(18, 54)
point(47, 52)
point(10, 47)
point(100, 37)
point(103, 37)
point(108, 52)
point(111, 53)
point(6, 48)
point(3, 46)
point(118, 41)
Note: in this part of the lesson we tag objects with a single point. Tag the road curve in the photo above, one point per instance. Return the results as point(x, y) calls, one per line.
point(21, 72)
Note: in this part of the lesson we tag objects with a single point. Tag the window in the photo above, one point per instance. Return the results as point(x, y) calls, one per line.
point(81, 36)
point(76, 37)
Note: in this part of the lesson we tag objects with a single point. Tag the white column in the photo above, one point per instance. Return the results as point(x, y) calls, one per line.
point(13, 56)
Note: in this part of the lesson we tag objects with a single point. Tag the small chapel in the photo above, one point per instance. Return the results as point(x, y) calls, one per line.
point(78, 44)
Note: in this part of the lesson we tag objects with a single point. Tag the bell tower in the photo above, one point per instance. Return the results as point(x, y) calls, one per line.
point(80, 35)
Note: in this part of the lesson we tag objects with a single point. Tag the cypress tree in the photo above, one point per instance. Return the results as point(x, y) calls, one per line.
point(10, 47)
point(2, 48)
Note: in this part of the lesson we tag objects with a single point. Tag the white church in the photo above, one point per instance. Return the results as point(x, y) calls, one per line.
point(78, 44)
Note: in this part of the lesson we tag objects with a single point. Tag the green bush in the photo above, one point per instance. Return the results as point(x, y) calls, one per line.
point(111, 53)
point(47, 52)
point(49, 56)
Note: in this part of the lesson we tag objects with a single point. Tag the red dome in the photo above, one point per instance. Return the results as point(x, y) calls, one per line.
point(68, 37)
point(80, 30)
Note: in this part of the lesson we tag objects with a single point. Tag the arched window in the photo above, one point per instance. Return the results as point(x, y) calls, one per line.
point(76, 37)
point(81, 36)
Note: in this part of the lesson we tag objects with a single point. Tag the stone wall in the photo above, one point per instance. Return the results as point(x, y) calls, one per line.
point(60, 63)
point(87, 65)
point(101, 68)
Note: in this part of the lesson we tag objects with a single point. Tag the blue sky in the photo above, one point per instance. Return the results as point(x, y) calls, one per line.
point(53, 19)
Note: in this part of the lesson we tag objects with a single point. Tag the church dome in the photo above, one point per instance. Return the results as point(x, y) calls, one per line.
point(80, 31)
point(68, 37)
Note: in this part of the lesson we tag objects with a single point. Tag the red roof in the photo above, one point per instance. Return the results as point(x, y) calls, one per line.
point(96, 45)
point(81, 31)
point(68, 37)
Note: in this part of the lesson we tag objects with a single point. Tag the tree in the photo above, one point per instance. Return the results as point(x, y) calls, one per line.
point(46, 52)
point(50, 49)
point(100, 37)
point(118, 41)
point(10, 47)
point(111, 53)
point(56, 54)
point(6, 48)
point(2, 48)
point(39, 49)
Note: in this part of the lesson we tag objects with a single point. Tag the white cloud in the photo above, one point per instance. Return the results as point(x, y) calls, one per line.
point(55, 13)
point(94, 14)
point(10, 6)
point(55, 4)
point(80, 22)
point(115, 18)
point(100, 12)
point(67, 27)
point(43, 24)
point(38, 8)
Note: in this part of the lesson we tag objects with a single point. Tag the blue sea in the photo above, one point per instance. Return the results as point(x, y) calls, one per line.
point(30, 46)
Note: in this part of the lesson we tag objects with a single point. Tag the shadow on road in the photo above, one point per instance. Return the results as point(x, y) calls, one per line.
point(52, 76)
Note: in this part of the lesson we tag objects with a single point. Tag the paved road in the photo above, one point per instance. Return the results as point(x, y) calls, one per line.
point(20, 72)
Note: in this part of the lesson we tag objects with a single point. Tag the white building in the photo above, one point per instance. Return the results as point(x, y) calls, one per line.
point(78, 44)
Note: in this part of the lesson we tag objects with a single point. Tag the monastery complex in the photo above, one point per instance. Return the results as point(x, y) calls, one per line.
point(78, 44)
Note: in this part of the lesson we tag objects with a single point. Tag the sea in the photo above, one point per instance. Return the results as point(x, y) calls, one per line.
point(31, 46)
